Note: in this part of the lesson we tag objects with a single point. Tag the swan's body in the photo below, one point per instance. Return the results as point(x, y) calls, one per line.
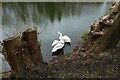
point(55, 42)
point(64, 37)
point(58, 45)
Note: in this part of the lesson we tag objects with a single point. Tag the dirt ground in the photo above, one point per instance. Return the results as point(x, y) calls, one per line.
point(79, 65)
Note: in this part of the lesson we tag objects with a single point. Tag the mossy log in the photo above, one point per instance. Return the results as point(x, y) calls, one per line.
point(104, 33)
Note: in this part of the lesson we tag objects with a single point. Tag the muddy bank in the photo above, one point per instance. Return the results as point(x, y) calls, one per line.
point(80, 65)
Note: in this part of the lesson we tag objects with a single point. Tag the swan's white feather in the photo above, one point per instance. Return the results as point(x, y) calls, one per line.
point(57, 46)
point(55, 42)
point(60, 44)
point(65, 38)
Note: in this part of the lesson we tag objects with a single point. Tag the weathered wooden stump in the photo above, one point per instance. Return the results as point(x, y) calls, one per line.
point(13, 46)
point(30, 37)
point(24, 52)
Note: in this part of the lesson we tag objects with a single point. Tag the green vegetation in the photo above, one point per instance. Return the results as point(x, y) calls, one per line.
point(84, 37)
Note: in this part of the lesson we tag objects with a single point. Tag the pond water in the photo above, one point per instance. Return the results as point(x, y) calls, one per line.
point(70, 18)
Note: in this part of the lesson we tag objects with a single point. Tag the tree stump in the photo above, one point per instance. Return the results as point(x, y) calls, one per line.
point(30, 37)
point(13, 46)
point(24, 52)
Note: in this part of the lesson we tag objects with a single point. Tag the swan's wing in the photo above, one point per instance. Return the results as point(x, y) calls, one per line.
point(54, 49)
point(55, 42)
point(57, 46)
point(66, 38)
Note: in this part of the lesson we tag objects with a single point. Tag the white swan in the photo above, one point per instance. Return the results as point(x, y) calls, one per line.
point(56, 42)
point(64, 37)
point(57, 45)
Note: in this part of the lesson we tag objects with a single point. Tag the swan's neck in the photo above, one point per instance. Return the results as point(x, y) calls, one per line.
point(60, 33)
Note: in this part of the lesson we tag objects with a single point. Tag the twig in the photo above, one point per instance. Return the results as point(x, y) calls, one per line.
point(44, 28)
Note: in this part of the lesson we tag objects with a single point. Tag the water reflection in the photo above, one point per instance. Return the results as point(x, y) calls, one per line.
point(70, 18)
point(58, 52)
point(32, 12)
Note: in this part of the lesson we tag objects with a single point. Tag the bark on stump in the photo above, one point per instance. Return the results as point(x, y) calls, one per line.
point(13, 46)
point(23, 53)
point(30, 37)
